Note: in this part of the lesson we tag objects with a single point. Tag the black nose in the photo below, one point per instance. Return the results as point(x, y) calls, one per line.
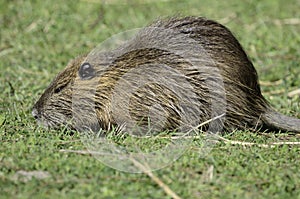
point(35, 113)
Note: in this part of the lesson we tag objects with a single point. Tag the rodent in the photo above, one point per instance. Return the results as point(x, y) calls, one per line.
point(245, 107)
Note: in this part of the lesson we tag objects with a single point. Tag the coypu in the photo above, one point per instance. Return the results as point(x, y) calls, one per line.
point(209, 64)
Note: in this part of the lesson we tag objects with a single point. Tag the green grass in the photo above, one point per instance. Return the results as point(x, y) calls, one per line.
point(38, 38)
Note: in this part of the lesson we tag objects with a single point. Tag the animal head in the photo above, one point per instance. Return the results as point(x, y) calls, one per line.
point(55, 105)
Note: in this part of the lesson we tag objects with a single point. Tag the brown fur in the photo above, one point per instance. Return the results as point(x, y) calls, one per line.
point(245, 107)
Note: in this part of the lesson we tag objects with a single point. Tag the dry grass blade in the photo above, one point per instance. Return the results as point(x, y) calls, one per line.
point(202, 124)
point(294, 93)
point(271, 145)
point(291, 21)
point(229, 18)
point(275, 92)
point(275, 83)
point(144, 168)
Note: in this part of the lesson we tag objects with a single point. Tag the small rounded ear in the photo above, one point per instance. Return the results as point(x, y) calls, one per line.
point(86, 71)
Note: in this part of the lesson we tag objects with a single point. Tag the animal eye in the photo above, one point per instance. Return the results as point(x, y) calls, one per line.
point(58, 89)
point(86, 71)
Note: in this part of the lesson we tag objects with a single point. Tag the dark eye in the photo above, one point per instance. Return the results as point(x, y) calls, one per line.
point(86, 71)
point(58, 89)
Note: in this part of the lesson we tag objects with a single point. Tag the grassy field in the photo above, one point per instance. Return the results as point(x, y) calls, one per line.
point(38, 38)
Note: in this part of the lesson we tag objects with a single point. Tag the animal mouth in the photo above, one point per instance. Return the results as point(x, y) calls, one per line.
point(53, 125)
point(49, 121)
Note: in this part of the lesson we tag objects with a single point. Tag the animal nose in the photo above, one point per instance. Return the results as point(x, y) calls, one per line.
point(35, 113)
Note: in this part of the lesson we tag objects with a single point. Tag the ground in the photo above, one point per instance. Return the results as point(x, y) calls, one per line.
point(38, 38)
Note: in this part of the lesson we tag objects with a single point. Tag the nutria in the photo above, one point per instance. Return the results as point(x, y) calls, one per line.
point(181, 71)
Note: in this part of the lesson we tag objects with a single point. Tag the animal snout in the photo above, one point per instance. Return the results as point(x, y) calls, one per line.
point(35, 113)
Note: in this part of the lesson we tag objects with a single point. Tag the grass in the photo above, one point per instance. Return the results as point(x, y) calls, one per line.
point(38, 38)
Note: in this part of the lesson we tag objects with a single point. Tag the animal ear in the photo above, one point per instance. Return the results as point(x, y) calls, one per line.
point(86, 71)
